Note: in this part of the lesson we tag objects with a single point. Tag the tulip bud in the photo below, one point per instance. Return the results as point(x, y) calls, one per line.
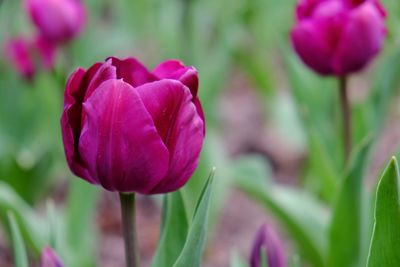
point(338, 37)
point(26, 55)
point(133, 130)
point(17, 51)
point(57, 20)
point(50, 258)
point(267, 243)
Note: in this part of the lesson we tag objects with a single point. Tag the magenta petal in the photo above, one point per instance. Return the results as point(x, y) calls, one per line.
point(167, 68)
point(70, 125)
point(132, 71)
point(58, 21)
point(163, 100)
point(361, 39)
point(185, 133)
point(119, 140)
point(104, 73)
point(18, 51)
point(47, 52)
point(312, 47)
point(200, 111)
point(50, 258)
point(176, 70)
point(267, 241)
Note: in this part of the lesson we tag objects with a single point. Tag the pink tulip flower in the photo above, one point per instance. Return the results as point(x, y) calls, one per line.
point(268, 243)
point(57, 20)
point(338, 37)
point(50, 258)
point(133, 130)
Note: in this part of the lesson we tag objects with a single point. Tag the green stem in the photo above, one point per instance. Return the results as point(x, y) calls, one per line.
point(129, 229)
point(346, 118)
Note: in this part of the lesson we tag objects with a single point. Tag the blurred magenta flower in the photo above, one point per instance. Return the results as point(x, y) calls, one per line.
point(27, 55)
point(57, 20)
point(337, 37)
point(132, 130)
point(268, 242)
point(18, 52)
point(50, 258)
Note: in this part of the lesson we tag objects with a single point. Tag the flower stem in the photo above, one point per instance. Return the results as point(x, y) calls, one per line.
point(346, 118)
point(129, 229)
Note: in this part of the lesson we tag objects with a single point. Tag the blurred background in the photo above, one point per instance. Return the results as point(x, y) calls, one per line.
point(269, 119)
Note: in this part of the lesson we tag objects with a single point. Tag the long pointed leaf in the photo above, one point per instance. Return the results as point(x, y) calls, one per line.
point(174, 231)
point(193, 250)
point(385, 244)
point(345, 234)
point(20, 256)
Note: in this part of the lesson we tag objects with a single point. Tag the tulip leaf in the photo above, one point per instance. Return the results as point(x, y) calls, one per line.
point(32, 227)
point(20, 256)
point(174, 230)
point(236, 261)
point(75, 234)
point(193, 249)
point(301, 215)
point(344, 240)
point(385, 243)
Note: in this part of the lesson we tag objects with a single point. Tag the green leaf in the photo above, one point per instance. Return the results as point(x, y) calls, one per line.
point(193, 249)
point(344, 233)
point(301, 215)
point(32, 227)
point(385, 243)
point(236, 261)
point(20, 256)
point(174, 230)
point(76, 236)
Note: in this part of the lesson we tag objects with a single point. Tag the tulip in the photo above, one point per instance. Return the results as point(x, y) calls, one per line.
point(133, 130)
point(57, 20)
point(17, 51)
point(27, 55)
point(267, 242)
point(338, 37)
point(50, 258)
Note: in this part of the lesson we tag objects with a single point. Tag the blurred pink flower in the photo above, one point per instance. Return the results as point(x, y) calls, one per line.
point(57, 20)
point(133, 130)
point(18, 52)
point(267, 242)
point(27, 55)
point(50, 258)
point(337, 37)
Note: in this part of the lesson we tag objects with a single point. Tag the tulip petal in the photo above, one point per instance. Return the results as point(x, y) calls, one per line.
point(176, 70)
point(47, 51)
point(70, 124)
point(132, 71)
point(312, 47)
point(58, 21)
point(361, 39)
point(175, 115)
point(104, 73)
point(18, 52)
point(119, 140)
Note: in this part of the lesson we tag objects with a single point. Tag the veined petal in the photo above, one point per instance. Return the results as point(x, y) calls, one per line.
point(119, 142)
point(132, 71)
point(361, 39)
point(163, 100)
point(104, 73)
point(171, 106)
point(70, 125)
point(176, 70)
point(312, 47)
